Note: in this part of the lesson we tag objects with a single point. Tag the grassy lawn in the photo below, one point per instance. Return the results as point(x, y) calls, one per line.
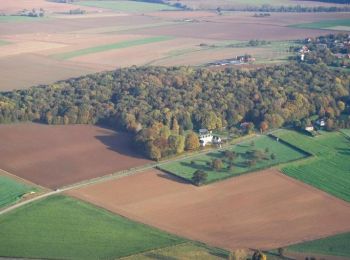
point(335, 245)
point(2, 42)
point(283, 153)
point(11, 191)
point(326, 24)
point(187, 250)
point(330, 169)
point(127, 6)
point(17, 19)
point(346, 132)
point(114, 46)
point(60, 227)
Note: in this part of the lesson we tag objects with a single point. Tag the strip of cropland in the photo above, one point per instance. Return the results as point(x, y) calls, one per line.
point(337, 245)
point(60, 227)
point(250, 211)
point(329, 170)
point(127, 6)
point(11, 190)
point(108, 47)
point(188, 250)
point(336, 24)
point(18, 19)
point(270, 151)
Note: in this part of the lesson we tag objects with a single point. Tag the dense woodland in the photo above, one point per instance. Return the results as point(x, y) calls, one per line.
point(159, 104)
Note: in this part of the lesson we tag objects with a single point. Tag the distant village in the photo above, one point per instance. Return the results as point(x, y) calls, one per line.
point(338, 48)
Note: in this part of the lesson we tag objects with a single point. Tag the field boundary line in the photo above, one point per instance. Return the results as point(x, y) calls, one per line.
point(13, 176)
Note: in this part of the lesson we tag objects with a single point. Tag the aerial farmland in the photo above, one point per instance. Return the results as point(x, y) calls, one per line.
point(136, 129)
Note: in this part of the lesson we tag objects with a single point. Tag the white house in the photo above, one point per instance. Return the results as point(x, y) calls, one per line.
point(321, 122)
point(206, 137)
point(309, 128)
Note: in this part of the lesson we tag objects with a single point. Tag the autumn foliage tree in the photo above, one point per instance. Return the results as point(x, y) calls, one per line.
point(192, 142)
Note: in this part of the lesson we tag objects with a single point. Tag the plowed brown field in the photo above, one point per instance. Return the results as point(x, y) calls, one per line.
point(54, 156)
point(258, 210)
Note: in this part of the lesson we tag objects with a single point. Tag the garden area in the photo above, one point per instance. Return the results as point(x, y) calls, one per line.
point(259, 153)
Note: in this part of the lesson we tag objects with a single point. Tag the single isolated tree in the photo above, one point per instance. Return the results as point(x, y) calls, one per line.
point(217, 164)
point(199, 177)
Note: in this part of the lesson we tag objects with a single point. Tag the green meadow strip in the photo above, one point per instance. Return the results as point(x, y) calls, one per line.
point(113, 46)
point(323, 24)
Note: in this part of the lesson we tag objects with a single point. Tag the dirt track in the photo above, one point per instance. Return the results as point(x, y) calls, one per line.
point(259, 210)
point(54, 156)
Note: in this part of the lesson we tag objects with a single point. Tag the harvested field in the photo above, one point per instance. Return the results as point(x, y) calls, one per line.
point(248, 211)
point(54, 156)
point(229, 31)
point(127, 6)
point(10, 7)
point(30, 66)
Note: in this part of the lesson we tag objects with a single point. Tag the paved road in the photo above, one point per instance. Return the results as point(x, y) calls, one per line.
point(116, 175)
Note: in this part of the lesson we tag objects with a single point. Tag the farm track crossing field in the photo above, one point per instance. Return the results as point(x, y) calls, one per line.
point(63, 228)
point(119, 45)
point(127, 6)
point(55, 156)
point(283, 153)
point(330, 169)
point(337, 245)
point(11, 190)
point(250, 211)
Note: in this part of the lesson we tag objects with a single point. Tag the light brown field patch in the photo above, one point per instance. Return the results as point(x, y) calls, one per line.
point(54, 156)
point(230, 31)
point(35, 70)
point(259, 210)
point(27, 47)
point(18, 5)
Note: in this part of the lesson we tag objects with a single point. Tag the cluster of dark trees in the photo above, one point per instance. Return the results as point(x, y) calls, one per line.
point(333, 1)
point(161, 104)
point(292, 9)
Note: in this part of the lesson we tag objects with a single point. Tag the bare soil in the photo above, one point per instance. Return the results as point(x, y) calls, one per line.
point(55, 156)
point(259, 210)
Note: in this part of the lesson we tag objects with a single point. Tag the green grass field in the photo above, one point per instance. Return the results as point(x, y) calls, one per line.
point(11, 191)
point(108, 47)
point(187, 250)
point(18, 19)
point(330, 169)
point(2, 43)
point(346, 132)
point(283, 154)
point(64, 228)
point(335, 245)
point(326, 24)
point(127, 6)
